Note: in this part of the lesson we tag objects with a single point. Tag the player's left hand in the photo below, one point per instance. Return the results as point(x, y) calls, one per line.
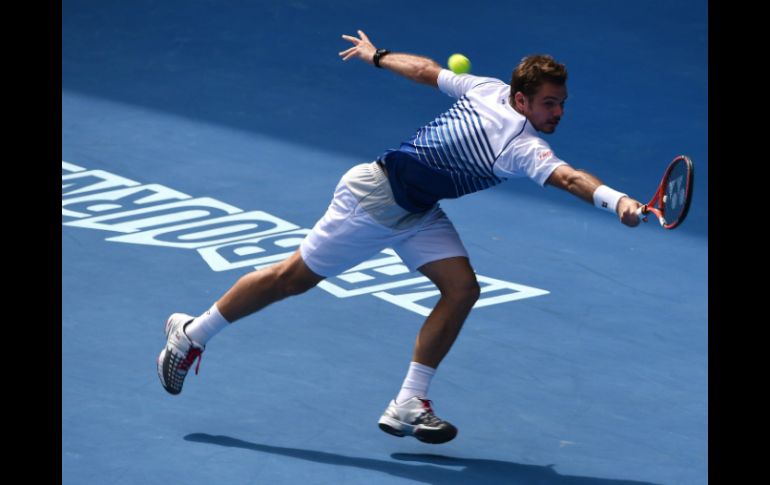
point(362, 48)
point(627, 211)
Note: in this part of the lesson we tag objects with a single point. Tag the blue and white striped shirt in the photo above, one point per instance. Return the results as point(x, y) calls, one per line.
point(478, 143)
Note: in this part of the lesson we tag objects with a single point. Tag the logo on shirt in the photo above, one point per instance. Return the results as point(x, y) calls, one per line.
point(544, 155)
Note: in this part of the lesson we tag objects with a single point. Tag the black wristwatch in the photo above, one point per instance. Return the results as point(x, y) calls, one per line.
point(378, 55)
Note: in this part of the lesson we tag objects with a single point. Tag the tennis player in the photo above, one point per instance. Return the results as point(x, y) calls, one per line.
point(490, 134)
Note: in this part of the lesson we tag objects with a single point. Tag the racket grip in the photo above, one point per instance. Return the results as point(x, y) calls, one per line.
point(643, 212)
point(640, 212)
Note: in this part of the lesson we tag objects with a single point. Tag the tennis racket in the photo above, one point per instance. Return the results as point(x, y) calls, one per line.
point(672, 199)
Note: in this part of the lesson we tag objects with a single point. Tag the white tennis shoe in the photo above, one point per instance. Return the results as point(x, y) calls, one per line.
point(414, 417)
point(179, 354)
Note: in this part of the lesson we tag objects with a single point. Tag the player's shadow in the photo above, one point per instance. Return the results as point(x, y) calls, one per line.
point(431, 469)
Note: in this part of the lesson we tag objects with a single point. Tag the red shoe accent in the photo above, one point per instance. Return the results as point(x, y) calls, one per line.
point(193, 354)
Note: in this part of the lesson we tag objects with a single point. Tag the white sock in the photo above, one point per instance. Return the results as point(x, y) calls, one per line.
point(206, 326)
point(416, 383)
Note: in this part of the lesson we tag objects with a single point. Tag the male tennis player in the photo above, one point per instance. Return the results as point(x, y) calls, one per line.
point(489, 135)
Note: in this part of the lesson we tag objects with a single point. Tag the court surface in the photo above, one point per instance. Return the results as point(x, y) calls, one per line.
point(202, 139)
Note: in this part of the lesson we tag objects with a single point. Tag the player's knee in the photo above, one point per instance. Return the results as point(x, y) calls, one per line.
point(473, 291)
point(465, 292)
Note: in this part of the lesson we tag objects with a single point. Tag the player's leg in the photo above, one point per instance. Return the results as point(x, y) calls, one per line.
point(342, 238)
point(346, 235)
point(187, 336)
point(440, 255)
point(456, 280)
point(251, 293)
point(260, 288)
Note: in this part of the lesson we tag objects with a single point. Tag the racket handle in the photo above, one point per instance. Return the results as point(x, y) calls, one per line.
point(641, 213)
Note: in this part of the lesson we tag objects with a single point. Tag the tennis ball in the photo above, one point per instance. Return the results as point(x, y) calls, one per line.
point(459, 64)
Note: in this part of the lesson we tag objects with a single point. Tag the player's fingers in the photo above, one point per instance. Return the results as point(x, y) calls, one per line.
point(349, 56)
point(347, 51)
point(354, 40)
point(363, 36)
point(630, 218)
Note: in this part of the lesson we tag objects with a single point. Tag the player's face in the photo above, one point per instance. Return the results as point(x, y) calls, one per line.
point(545, 109)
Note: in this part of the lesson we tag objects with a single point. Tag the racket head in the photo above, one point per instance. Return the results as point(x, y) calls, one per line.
point(675, 191)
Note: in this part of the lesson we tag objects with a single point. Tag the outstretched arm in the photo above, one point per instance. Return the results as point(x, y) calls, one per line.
point(417, 68)
point(583, 185)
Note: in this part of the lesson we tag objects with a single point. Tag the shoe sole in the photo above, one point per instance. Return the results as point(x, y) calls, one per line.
point(167, 331)
point(160, 375)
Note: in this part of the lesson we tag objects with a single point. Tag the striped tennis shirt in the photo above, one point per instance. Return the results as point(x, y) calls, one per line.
point(478, 143)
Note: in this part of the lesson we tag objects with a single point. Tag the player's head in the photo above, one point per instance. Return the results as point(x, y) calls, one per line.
point(538, 91)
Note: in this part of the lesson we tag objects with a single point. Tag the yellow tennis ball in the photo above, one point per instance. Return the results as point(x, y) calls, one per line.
point(459, 64)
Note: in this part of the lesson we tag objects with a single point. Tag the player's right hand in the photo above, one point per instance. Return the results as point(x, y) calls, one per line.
point(627, 211)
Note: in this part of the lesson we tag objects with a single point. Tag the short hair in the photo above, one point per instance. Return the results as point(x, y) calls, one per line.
point(535, 70)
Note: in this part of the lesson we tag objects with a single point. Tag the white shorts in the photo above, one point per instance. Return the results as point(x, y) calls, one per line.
point(363, 219)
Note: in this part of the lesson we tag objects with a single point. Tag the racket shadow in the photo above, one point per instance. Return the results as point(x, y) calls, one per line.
point(430, 468)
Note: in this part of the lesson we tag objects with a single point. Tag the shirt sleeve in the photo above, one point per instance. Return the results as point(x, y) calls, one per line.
point(531, 158)
point(456, 85)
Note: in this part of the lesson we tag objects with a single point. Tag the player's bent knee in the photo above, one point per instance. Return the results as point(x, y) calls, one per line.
point(473, 291)
point(476, 291)
point(465, 293)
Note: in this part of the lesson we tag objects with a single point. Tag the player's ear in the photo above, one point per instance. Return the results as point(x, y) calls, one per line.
point(519, 100)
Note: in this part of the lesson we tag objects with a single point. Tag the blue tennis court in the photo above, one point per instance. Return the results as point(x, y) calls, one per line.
point(202, 140)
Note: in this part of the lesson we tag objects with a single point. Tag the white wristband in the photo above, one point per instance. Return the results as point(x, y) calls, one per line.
point(607, 198)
